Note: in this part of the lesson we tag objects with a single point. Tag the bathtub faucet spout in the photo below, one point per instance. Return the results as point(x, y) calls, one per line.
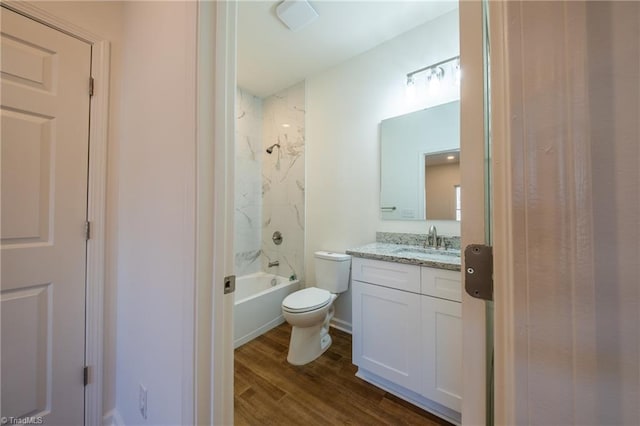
point(274, 263)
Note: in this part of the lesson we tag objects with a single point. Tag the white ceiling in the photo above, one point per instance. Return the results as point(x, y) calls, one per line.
point(271, 57)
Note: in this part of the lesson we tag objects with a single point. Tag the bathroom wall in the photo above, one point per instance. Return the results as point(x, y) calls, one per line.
point(345, 105)
point(283, 181)
point(248, 184)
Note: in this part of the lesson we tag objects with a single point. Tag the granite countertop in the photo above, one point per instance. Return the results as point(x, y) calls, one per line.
point(410, 254)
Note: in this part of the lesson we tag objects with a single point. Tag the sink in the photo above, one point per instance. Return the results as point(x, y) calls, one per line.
point(412, 251)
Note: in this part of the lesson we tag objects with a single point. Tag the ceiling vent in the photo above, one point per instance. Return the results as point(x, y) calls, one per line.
point(296, 14)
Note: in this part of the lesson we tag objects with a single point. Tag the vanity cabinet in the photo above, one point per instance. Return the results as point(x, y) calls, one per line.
point(386, 341)
point(407, 332)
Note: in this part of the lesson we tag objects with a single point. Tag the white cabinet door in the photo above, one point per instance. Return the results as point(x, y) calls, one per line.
point(386, 333)
point(442, 351)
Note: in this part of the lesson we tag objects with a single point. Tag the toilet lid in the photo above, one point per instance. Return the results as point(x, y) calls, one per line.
point(307, 299)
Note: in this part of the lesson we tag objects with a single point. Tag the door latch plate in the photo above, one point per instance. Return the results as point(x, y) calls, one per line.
point(229, 284)
point(478, 274)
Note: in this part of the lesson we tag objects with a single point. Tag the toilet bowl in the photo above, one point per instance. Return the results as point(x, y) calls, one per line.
point(310, 310)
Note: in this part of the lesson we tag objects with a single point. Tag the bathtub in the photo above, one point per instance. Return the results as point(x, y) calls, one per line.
point(258, 305)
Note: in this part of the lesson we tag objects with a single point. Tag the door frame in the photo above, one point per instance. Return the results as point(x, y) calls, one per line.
point(96, 201)
point(503, 221)
point(215, 141)
point(473, 226)
point(220, 403)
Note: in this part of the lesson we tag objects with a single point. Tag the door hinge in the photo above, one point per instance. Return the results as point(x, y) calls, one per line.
point(86, 375)
point(91, 84)
point(478, 271)
point(87, 230)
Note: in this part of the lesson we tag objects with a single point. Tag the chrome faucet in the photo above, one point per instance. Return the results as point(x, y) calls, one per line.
point(274, 263)
point(433, 237)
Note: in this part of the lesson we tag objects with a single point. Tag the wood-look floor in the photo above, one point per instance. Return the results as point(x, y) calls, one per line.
point(270, 391)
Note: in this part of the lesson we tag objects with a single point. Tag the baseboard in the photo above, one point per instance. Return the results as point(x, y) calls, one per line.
point(341, 325)
point(112, 418)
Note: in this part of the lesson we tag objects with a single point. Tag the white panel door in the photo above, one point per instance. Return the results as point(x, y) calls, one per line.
point(45, 125)
point(442, 351)
point(386, 333)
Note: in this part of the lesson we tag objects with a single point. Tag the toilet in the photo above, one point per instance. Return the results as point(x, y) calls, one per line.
point(310, 310)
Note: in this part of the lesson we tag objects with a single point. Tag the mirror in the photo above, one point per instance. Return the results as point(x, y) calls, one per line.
point(442, 185)
point(418, 180)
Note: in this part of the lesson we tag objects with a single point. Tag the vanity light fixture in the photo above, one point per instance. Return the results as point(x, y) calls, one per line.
point(451, 157)
point(434, 77)
point(435, 72)
point(285, 125)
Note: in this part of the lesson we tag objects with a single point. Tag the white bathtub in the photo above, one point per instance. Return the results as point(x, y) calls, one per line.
point(258, 305)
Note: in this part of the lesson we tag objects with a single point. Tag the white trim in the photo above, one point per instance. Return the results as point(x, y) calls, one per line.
point(503, 223)
point(225, 121)
point(96, 214)
point(189, 222)
point(26, 8)
point(112, 418)
point(97, 185)
point(342, 325)
point(472, 133)
point(205, 178)
point(215, 204)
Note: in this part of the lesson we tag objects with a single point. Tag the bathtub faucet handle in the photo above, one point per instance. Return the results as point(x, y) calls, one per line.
point(274, 263)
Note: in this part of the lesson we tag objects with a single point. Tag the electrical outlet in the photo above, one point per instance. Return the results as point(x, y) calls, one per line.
point(142, 401)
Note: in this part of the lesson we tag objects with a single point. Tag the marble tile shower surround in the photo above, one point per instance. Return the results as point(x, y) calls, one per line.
point(248, 184)
point(413, 239)
point(270, 187)
point(283, 183)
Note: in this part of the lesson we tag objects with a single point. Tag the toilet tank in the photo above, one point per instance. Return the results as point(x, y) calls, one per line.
point(332, 271)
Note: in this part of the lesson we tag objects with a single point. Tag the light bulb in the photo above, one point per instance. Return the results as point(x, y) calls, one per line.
point(411, 91)
point(410, 80)
point(433, 79)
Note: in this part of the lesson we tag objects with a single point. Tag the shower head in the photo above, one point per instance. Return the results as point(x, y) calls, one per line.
point(270, 149)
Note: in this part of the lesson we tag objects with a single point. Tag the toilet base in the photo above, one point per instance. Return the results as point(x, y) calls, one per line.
point(308, 343)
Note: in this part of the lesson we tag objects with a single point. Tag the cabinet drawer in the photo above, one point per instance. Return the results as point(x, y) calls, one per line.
point(441, 283)
point(388, 274)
